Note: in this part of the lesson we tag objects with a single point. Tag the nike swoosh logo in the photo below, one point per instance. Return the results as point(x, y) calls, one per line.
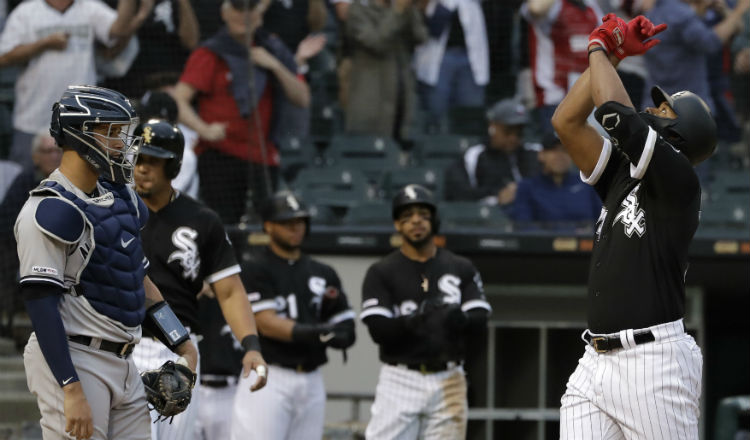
point(66, 381)
point(327, 337)
point(126, 243)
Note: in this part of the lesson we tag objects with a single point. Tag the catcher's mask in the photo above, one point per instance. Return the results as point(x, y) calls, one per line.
point(83, 108)
point(414, 194)
point(284, 205)
point(693, 132)
point(163, 140)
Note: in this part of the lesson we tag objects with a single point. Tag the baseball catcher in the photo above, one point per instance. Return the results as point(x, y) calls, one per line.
point(169, 389)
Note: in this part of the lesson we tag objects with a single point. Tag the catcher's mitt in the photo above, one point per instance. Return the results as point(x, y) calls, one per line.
point(169, 389)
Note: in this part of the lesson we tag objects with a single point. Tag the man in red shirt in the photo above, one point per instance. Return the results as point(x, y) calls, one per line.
point(238, 124)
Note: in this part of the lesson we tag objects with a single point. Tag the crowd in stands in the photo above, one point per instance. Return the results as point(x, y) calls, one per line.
point(341, 100)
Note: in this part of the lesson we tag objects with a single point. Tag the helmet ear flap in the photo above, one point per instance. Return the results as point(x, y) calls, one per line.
point(55, 128)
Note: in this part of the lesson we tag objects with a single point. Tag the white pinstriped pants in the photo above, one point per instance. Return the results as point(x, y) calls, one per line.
point(149, 354)
point(647, 391)
point(410, 405)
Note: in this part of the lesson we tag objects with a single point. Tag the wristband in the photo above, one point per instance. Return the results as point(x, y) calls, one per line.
point(250, 342)
point(597, 49)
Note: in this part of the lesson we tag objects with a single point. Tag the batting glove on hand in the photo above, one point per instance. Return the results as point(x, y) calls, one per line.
point(638, 31)
point(610, 34)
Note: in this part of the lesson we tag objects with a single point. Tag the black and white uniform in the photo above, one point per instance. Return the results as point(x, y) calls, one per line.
point(186, 244)
point(421, 391)
point(221, 365)
point(291, 406)
point(645, 380)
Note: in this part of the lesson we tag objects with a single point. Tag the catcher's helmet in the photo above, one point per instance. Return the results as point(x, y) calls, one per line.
point(414, 194)
point(284, 205)
point(693, 132)
point(80, 109)
point(164, 140)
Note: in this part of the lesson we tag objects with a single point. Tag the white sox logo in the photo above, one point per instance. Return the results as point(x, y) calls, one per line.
point(631, 215)
point(184, 239)
point(450, 285)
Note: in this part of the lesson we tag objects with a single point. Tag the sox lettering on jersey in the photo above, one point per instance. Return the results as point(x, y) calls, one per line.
point(631, 215)
point(600, 223)
point(184, 239)
point(450, 285)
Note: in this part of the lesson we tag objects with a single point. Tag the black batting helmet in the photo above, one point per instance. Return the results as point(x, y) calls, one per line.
point(693, 132)
point(284, 205)
point(164, 140)
point(80, 109)
point(414, 194)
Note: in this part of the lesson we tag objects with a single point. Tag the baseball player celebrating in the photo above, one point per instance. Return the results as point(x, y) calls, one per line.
point(419, 303)
point(300, 309)
point(83, 276)
point(186, 245)
point(640, 374)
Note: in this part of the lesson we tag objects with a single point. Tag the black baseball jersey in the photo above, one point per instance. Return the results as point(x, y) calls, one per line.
point(186, 244)
point(305, 290)
point(218, 344)
point(396, 285)
point(651, 201)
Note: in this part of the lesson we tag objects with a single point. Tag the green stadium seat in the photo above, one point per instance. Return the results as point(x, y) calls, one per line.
point(728, 414)
point(334, 186)
point(297, 153)
point(369, 214)
point(727, 210)
point(370, 154)
point(439, 151)
point(470, 214)
point(430, 178)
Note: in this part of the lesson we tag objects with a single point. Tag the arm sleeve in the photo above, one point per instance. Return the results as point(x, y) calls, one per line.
point(386, 330)
point(667, 171)
point(102, 17)
point(41, 301)
point(376, 296)
point(335, 307)
point(218, 258)
point(199, 69)
point(472, 289)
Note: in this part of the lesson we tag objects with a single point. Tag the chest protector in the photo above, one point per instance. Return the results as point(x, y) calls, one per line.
point(112, 281)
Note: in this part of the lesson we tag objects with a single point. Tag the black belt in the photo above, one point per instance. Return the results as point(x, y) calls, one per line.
point(427, 367)
point(215, 383)
point(603, 344)
point(120, 349)
point(300, 368)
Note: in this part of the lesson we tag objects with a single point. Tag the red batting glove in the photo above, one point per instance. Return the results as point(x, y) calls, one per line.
point(638, 31)
point(610, 34)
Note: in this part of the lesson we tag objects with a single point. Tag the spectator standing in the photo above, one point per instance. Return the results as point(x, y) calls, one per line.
point(301, 310)
point(54, 40)
point(679, 62)
point(556, 198)
point(421, 304)
point(383, 36)
point(490, 172)
point(239, 125)
point(741, 70)
point(165, 40)
point(558, 38)
point(293, 20)
point(453, 66)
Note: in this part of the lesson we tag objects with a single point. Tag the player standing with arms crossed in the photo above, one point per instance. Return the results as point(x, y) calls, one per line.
point(419, 303)
point(301, 309)
point(640, 374)
point(83, 276)
point(186, 245)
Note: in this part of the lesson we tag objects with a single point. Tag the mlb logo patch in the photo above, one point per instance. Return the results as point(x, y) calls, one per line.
point(44, 270)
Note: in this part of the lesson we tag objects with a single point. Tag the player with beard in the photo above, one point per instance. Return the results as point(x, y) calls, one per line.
point(301, 310)
point(419, 303)
point(186, 245)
